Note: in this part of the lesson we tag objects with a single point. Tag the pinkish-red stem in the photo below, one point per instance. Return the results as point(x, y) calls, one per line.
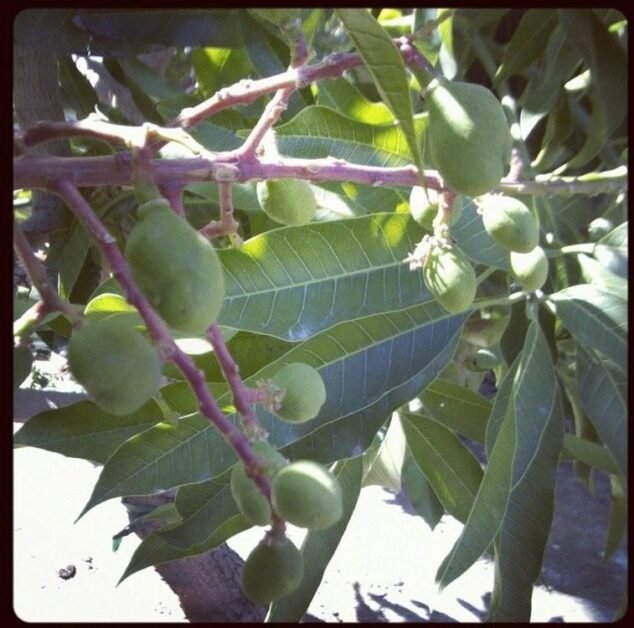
point(243, 396)
point(50, 300)
point(158, 330)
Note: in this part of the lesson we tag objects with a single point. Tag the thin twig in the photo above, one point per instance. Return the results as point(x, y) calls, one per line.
point(243, 396)
point(50, 300)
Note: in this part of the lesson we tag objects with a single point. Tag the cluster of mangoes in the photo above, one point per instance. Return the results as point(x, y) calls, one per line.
point(303, 492)
point(181, 275)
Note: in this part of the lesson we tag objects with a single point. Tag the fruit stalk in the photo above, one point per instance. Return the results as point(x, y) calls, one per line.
point(157, 329)
point(243, 397)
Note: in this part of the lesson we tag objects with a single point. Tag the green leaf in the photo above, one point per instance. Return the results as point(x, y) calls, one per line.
point(82, 430)
point(595, 273)
point(528, 42)
point(617, 524)
point(386, 66)
point(474, 241)
point(77, 92)
point(22, 362)
point(587, 452)
point(294, 282)
point(319, 132)
point(607, 63)
point(519, 547)
point(603, 394)
point(457, 408)
point(383, 466)
point(204, 508)
point(73, 257)
point(370, 367)
point(420, 492)
point(341, 95)
point(529, 439)
point(451, 469)
point(595, 318)
point(500, 405)
point(319, 547)
point(153, 550)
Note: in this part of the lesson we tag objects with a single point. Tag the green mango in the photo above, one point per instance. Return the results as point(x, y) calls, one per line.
point(469, 138)
point(253, 505)
point(176, 268)
point(119, 368)
point(450, 278)
point(272, 570)
point(307, 495)
point(305, 392)
point(530, 269)
point(510, 223)
point(287, 201)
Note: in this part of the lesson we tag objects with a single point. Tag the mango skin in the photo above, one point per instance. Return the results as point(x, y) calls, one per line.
point(305, 392)
point(450, 278)
point(119, 368)
point(469, 138)
point(252, 504)
point(177, 269)
point(307, 495)
point(287, 201)
point(272, 570)
point(530, 269)
point(510, 223)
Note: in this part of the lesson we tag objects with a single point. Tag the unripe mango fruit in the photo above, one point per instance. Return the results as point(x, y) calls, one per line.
point(251, 502)
point(304, 395)
point(287, 201)
point(510, 223)
point(272, 570)
point(484, 329)
point(176, 268)
point(307, 495)
point(450, 278)
point(530, 269)
point(469, 138)
point(119, 368)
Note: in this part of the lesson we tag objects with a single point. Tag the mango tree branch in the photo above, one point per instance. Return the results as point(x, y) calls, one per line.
point(157, 328)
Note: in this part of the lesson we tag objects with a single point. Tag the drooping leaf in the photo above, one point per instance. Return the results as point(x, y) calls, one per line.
point(603, 394)
point(595, 318)
point(386, 66)
point(383, 466)
point(528, 41)
point(607, 63)
point(588, 452)
point(294, 282)
point(617, 524)
point(457, 408)
point(319, 547)
point(420, 492)
point(528, 439)
point(451, 469)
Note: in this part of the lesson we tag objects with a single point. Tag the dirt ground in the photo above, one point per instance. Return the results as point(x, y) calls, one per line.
point(383, 570)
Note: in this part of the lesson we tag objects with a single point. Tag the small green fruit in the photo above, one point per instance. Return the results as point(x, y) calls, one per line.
point(422, 208)
point(176, 268)
point(450, 278)
point(119, 368)
point(469, 137)
point(486, 359)
point(305, 392)
point(510, 223)
point(253, 505)
point(530, 269)
point(272, 570)
point(287, 201)
point(307, 495)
